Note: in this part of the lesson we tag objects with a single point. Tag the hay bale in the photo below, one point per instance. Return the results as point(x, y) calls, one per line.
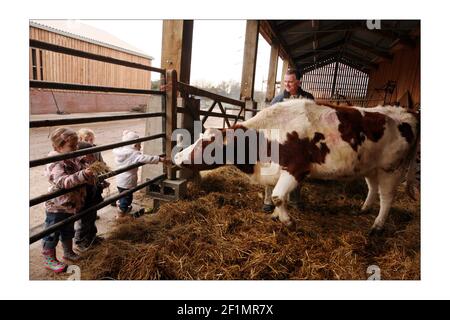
point(219, 232)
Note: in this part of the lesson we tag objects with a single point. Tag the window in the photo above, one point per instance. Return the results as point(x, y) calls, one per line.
point(341, 83)
point(41, 65)
point(34, 63)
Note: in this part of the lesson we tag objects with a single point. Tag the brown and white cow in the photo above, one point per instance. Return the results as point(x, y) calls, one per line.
point(324, 142)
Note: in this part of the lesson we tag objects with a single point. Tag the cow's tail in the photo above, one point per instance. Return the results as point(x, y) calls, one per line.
point(412, 189)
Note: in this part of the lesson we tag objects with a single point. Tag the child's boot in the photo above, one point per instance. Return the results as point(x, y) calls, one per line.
point(69, 254)
point(122, 215)
point(50, 261)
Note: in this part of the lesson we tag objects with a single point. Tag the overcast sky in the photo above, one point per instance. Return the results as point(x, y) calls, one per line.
point(217, 49)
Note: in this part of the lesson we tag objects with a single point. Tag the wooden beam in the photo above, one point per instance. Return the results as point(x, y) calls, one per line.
point(286, 26)
point(333, 87)
point(309, 39)
point(282, 43)
point(186, 51)
point(325, 32)
point(319, 34)
point(283, 72)
point(177, 47)
point(176, 59)
point(335, 45)
point(315, 27)
point(171, 119)
point(272, 76)
point(266, 31)
point(153, 126)
point(249, 60)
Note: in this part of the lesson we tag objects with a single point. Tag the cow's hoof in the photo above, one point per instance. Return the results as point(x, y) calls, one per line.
point(376, 232)
point(277, 201)
point(274, 216)
point(268, 208)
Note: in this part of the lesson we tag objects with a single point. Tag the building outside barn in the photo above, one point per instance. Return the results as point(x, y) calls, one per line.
point(49, 66)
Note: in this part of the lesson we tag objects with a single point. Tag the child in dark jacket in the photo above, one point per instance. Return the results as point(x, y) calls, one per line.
point(85, 228)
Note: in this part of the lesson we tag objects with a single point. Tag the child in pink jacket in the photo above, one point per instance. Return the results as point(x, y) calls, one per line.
point(63, 174)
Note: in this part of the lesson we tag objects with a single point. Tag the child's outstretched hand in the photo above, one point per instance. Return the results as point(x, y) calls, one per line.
point(164, 160)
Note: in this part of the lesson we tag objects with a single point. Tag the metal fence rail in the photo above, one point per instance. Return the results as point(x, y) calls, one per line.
point(41, 161)
point(48, 196)
point(98, 206)
point(187, 90)
point(83, 87)
point(68, 121)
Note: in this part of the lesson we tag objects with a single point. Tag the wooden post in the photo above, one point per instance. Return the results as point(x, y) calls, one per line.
point(192, 107)
point(171, 118)
point(249, 63)
point(272, 77)
point(250, 104)
point(153, 126)
point(333, 86)
point(283, 72)
point(176, 48)
point(175, 55)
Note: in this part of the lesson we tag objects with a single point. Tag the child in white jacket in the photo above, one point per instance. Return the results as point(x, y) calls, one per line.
point(126, 156)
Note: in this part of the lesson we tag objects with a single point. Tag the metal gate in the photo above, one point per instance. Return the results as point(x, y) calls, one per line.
point(169, 114)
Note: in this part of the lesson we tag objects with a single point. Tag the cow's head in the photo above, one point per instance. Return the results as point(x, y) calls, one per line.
point(216, 147)
point(197, 156)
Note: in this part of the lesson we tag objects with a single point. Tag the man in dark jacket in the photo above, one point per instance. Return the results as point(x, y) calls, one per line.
point(292, 82)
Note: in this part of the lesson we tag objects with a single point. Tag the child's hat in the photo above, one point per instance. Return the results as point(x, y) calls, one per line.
point(128, 135)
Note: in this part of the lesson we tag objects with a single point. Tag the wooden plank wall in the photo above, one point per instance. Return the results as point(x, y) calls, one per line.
point(404, 69)
point(65, 68)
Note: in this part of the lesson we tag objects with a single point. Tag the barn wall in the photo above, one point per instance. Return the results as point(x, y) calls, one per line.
point(42, 101)
point(404, 69)
point(59, 67)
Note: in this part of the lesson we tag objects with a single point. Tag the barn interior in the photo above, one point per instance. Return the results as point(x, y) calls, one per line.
point(386, 53)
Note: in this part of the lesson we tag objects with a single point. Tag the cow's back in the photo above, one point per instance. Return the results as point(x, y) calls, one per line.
point(338, 142)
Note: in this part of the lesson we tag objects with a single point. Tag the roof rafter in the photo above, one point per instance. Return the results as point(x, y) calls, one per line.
point(334, 45)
